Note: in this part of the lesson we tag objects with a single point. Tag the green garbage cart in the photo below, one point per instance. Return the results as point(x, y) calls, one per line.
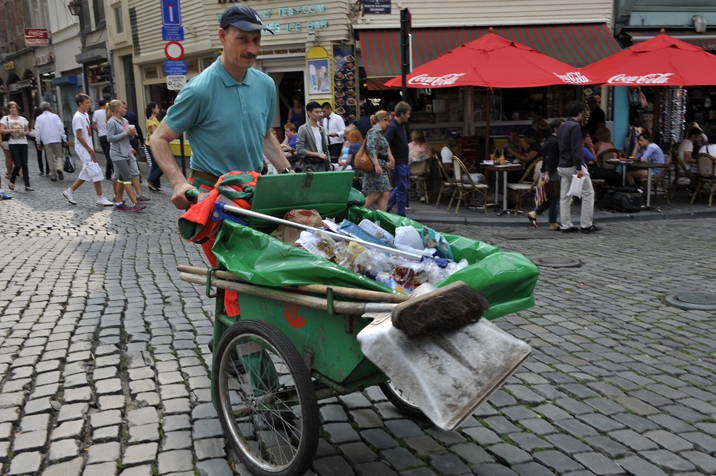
point(293, 340)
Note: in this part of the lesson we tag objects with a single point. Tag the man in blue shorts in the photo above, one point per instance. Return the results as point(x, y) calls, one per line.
point(230, 87)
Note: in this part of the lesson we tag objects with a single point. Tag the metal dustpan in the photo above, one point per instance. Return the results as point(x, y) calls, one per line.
point(448, 376)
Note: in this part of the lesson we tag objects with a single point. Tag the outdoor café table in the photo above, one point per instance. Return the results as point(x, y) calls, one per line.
point(647, 165)
point(505, 169)
point(624, 163)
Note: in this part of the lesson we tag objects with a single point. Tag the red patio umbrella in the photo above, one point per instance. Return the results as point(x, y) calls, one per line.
point(492, 62)
point(660, 61)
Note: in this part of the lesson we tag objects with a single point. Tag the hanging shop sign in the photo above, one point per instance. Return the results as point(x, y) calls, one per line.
point(25, 83)
point(36, 37)
point(43, 59)
point(290, 19)
point(319, 72)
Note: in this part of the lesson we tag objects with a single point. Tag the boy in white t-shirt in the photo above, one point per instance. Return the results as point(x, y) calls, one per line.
point(85, 151)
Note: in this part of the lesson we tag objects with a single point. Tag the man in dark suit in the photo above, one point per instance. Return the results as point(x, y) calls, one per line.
point(312, 141)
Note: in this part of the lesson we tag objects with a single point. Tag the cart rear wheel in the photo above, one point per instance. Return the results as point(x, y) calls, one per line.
point(396, 397)
point(265, 399)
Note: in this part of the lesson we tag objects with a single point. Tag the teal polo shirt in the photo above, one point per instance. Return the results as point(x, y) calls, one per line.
point(225, 121)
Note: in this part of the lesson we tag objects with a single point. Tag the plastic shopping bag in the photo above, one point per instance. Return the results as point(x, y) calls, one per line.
point(575, 188)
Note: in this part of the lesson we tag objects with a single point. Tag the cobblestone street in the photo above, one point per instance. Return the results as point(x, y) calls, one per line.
point(105, 365)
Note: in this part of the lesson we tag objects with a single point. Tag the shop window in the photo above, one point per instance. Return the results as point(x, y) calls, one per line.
point(151, 72)
point(557, 99)
point(85, 23)
point(99, 18)
point(481, 96)
point(206, 61)
point(118, 24)
point(159, 94)
point(192, 66)
point(98, 73)
point(448, 105)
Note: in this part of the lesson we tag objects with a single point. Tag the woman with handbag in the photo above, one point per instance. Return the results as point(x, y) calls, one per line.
point(547, 196)
point(19, 129)
point(376, 185)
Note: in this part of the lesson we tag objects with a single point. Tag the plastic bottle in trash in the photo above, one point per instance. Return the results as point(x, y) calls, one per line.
point(377, 231)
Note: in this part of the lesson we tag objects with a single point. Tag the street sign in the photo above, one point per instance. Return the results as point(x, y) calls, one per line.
point(175, 68)
point(174, 51)
point(172, 33)
point(171, 14)
point(175, 83)
point(376, 6)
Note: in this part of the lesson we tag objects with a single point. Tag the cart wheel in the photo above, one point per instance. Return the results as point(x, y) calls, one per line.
point(265, 399)
point(396, 397)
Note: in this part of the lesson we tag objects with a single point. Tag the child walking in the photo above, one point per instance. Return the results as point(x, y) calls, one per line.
point(120, 150)
point(91, 170)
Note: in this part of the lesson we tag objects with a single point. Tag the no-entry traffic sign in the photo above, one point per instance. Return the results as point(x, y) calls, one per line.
point(174, 50)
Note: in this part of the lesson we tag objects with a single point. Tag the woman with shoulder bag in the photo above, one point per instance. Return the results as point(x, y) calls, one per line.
point(376, 185)
point(6, 147)
point(19, 129)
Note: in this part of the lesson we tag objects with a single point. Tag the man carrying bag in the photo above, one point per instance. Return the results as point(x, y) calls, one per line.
point(571, 162)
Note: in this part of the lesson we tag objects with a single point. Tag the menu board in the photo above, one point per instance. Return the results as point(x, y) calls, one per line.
point(344, 82)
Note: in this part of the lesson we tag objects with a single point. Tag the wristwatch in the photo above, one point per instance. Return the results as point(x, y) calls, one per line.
point(287, 170)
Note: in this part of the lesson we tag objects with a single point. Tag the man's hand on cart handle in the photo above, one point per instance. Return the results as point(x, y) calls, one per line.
point(181, 197)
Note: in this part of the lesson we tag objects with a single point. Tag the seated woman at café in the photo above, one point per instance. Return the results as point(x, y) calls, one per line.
point(602, 141)
point(418, 149)
point(647, 152)
point(525, 157)
point(596, 171)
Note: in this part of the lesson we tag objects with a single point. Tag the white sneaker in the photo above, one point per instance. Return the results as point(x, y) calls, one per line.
point(70, 196)
point(102, 201)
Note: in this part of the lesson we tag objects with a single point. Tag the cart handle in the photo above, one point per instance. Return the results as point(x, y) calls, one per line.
point(339, 307)
point(192, 194)
point(352, 293)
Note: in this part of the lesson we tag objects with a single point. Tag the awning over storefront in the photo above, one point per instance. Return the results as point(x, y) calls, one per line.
point(577, 45)
point(706, 40)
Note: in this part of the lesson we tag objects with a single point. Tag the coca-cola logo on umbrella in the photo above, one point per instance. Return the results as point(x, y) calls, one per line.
point(427, 80)
point(574, 77)
point(654, 78)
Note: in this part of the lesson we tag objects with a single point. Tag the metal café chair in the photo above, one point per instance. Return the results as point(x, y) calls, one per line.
point(526, 185)
point(446, 182)
point(466, 187)
point(706, 167)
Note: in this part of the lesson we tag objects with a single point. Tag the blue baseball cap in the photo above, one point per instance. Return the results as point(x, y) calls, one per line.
point(242, 17)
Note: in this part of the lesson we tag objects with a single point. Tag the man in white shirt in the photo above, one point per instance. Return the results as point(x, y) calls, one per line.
point(84, 149)
point(50, 132)
point(312, 141)
point(99, 124)
point(335, 128)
